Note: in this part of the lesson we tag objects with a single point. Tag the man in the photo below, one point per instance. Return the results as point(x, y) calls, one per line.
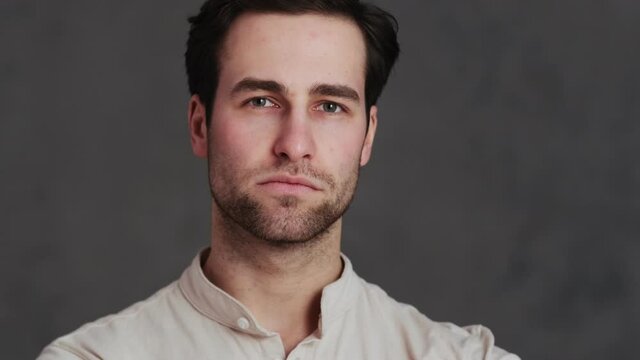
point(283, 108)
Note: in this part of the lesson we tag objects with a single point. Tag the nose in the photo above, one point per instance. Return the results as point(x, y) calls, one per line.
point(295, 138)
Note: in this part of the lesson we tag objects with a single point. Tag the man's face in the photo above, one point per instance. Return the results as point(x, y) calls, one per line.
point(288, 129)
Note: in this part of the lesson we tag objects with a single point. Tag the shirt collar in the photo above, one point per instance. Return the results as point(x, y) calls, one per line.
point(216, 304)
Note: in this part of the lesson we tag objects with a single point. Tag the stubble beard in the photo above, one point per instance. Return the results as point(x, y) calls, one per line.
point(291, 223)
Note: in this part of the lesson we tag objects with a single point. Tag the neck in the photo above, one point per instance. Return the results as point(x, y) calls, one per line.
point(280, 283)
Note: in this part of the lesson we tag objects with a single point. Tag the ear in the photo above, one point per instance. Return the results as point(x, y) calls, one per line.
point(365, 155)
point(198, 127)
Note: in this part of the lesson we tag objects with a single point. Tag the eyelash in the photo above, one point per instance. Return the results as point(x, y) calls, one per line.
point(250, 102)
point(342, 108)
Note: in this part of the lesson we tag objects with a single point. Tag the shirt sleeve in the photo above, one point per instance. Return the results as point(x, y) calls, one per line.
point(481, 345)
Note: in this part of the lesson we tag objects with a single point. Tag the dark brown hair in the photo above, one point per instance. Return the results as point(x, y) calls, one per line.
point(210, 26)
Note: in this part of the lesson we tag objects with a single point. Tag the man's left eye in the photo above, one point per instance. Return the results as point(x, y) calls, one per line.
point(331, 107)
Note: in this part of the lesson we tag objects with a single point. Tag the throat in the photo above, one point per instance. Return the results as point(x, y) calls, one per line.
point(283, 299)
point(281, 285)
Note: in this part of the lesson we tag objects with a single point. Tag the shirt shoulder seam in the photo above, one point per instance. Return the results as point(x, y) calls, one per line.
point(127, 312)
point(69, 348)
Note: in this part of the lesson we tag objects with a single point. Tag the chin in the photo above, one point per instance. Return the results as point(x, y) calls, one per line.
point(290, 226)
point(284, 220)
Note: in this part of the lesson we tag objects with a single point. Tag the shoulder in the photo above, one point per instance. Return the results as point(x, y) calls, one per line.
point(431, 339)
point(117, 332)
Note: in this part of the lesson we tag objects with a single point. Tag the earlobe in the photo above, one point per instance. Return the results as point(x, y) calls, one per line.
point(368, 139)
point(198, 126)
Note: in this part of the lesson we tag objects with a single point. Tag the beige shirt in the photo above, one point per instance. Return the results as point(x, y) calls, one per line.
point(193, 319)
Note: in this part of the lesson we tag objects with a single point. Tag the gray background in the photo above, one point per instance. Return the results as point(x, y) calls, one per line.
point(503, 188)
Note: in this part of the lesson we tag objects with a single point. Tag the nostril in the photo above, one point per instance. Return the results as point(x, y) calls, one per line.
point(283, 155)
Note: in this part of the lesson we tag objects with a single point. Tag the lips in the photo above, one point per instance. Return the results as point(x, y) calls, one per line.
point(290, 181)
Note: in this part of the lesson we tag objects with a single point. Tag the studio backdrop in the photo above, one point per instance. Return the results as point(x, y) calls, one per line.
point(503, 188)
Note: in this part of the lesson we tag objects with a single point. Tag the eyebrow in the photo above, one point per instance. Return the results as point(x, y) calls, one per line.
point(341, 91)
point(253, 84)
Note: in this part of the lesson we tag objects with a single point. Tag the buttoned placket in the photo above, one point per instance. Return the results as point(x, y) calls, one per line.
point(303, 349)
point(269, 342)
point(226, 310)
point(273, 347)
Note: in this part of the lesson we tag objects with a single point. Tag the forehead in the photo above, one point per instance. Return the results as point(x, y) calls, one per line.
point(296, 50)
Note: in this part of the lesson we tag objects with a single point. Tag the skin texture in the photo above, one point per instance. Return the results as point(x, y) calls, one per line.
point(289, 109)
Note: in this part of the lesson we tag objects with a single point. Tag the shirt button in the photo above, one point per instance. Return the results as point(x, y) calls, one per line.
point(243, 323)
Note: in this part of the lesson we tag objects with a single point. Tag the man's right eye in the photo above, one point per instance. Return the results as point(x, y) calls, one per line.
point(261, 102)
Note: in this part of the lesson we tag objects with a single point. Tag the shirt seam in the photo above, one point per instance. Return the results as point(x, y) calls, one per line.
point(143, 304)
point(70, 349)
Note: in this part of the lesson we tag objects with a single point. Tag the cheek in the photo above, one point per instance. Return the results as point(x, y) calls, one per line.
point(343, 149)
point(226, 134)
point(227, 141)
point(226, 144)
point(235, 144)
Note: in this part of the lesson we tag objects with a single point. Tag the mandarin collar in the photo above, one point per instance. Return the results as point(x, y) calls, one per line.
point(218, 305)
